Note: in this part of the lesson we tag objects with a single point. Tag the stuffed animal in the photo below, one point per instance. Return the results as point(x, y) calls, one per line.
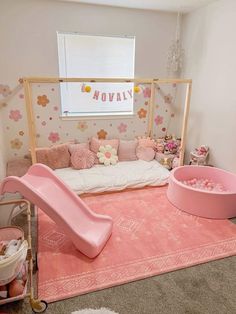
point(175, 162)
point(165, 160)
point(171, 147)
point(160, 145)
point(16, 287)
point(199, 156)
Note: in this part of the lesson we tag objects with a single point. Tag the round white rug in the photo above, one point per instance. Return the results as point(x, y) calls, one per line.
point(102, 310)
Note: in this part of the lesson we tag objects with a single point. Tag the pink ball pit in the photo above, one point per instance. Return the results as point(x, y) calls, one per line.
point(207, 204)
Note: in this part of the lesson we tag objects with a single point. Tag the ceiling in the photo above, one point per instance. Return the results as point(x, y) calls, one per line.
point(160, 5)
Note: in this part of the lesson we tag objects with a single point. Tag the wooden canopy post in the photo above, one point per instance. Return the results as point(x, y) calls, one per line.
point(185, 122)
point(30, 118)
point(151, 110)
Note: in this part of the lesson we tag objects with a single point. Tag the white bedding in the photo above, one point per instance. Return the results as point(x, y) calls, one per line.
point(126, 174)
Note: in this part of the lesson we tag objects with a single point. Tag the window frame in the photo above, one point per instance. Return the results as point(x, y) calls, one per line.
point(93, 115)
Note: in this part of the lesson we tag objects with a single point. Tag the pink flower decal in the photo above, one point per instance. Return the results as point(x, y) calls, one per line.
point(158, 120)
point(15, 115)
point(54, 137)
point(147, 92)
point(5, 90)
point(122, 127)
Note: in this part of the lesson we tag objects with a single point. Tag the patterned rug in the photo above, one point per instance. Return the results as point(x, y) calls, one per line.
point(150, 237)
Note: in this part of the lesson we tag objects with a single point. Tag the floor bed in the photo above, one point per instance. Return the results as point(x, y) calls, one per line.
point(126, 174)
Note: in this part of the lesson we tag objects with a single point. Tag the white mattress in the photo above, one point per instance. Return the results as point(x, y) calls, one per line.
point(126, 174)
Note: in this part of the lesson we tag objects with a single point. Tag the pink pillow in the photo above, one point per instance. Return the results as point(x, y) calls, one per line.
point(146, 142)
point(82, 159)
point(127, 150)
point(73, 147)
point(96, 143)
point(145, 153)
point(55, 157)
point(18, 166)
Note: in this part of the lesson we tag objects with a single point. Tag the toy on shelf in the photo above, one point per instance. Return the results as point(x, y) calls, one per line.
point(199, 156)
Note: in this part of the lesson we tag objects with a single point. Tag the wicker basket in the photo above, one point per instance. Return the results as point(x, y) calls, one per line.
point(11, 266)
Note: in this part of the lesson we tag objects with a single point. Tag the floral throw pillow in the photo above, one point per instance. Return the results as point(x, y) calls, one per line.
point(107, 155)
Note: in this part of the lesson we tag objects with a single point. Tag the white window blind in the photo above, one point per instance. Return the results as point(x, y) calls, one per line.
point(96, 56)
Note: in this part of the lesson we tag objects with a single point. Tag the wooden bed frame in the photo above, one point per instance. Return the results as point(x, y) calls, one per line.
point(152, 81)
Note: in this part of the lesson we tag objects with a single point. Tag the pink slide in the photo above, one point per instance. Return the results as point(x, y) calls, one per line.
point(88, 231)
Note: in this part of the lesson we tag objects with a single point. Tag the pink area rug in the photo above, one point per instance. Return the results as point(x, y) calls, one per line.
point(149, 237)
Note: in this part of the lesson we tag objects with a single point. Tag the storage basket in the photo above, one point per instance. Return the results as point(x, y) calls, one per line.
point(11, 266)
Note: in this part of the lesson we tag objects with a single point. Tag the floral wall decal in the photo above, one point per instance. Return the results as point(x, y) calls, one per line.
point(42, 100)
point(142, 113)
point(54, 137)
point(122, 127)
point(166, 108)
point(15, 115)
point(147, 92)
point(158, 120)
point(16, 144)
point(5, 90)
point(102, 134)
point(82, 126)
point(50, 129)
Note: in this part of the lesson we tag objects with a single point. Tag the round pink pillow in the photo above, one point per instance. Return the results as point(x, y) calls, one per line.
point(82, 159)
point(145, 153)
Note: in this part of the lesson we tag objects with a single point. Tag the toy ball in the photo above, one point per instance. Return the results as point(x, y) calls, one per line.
point(16, 287)
point(136, 89)
point(87, 89)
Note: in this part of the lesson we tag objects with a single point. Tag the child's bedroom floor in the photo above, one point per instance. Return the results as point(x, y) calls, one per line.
point(204, 289)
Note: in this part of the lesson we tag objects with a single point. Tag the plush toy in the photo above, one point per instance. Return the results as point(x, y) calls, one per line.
point(167, 163)
point(175, 162)
point(16, 287)
point(165, 160)
point(199, 156)
point(160, 145)
point(202, 150)
point(107, 155)
point(171, 147)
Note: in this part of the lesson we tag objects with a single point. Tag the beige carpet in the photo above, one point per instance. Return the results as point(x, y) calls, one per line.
point(102, 310)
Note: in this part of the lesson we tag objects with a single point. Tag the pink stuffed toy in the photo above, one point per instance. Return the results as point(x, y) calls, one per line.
point(16, 287)
point(199, 156)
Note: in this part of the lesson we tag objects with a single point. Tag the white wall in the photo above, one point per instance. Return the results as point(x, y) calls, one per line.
point(28, 45)
point(28, 34)
point(210, 50)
